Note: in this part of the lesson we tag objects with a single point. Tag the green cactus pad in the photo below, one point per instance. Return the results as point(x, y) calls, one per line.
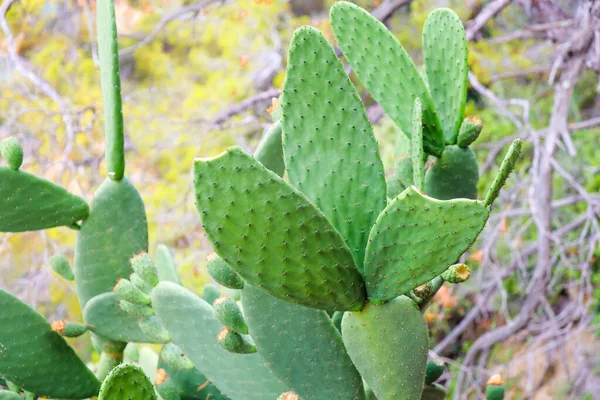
point(507, 166)
point(167, 389)
point(493, 392)
point(12, 152)
point(194, 328)
point(469, 131)
point(138, 310)
point(270, 151)
point(210, 293)
point(302, 347)
point(36, 358)
point(272, 236)
point(127, 291)
point(29, 203)
point(68, 329)
point(7, 395)
point(417, 238)
point(230, 315)
point(416, 145)
point(127, 382)
point(131, 353)
point(140, 283)
point(454, 175)
point(330, 152)
point(445, 54)
point(165, 265)
point(233, 342)
point(174, 357)
point(388, 343)
point(144, 268)
point(223, 273)
point(154, 329)
point(386, 70)
point(106, 318)
point(61, 266)
point(435, 392)
point(433, 371)
point(336, 320)
point(115, 231)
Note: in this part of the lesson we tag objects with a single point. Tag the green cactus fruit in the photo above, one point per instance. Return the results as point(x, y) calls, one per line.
point(454, 175)
point(230, 315)
point(114, 232)
point(388, 343)
point(8, 395)
point(140, 283)
point(127, 382)
point(127, 291)
point(272, 236)
point(194, 328)
point(336, 320)
point(68, 329)
point(289, 396)
point(507, 166)
point(469, 131)
point(386, 70)
point(105, 317)
point(445, 55)
point(330, 152)
point(270, 149)
point(108, 53)
point(174, 357)
point(301, 347)
point(29, 203)
point(456, 273)
point(131, 353)
point(165, 265)
point(416, 238)
point(154, 330)
point(416, 145)
point(435, 368)
point(138, 310)
point(36, 358)
point(435, 392)
point(495, 388)
point(222, 273)
point(233, 342)
point(144, 268)
point(166, 388)
point(61, 266)
point(210, 293)
point(12, 152)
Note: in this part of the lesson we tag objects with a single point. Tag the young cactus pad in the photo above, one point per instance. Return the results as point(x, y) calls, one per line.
point(36, 358)
point(127, 382)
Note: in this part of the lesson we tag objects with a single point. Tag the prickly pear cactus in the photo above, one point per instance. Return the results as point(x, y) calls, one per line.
point(127, 382)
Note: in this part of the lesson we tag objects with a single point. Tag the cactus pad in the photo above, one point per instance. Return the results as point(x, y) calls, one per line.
point(302, 347)
point(388, 343)
point(223, 273)
point(29, 203)
point(230, 315)
point(233, 342)
point(165, 265)
point(38, 359)
point(12, 152)
point(127, 382)
point(454, 175)
point(115, 231)
point(469, 131)
point(270, 151)
point(330, 152)
point(386, 70)
point(417, 238)
point(194, 328)
point(61, 266)
point(445, 54)
point(272, 236)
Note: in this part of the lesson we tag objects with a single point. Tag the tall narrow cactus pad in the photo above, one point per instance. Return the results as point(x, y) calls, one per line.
point(127, 382)
point(454, 175)
point(388, 343)
point(108, 52)
point(106, 318)
point(270, 149)
point(302, 347)
point(329, 148)
point(416, 145)
point(36, 358)
point(507, 166)
point(445, 54)
point(115, 231)
point(417, 238)
point(194, 328)
point(272, 236)
point(386, 70)
point(29, 203)
point(165, 265)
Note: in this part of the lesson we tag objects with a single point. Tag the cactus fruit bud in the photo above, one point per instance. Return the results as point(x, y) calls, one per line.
point(210, 293)
point(68, 329)
point(139, 310)
point(508, 164)
point(456, 273)
point(143, 266)
point(129, 292)
point(495, 388)
point(151, 327)
point(161, 376)
point(12, 152)
point(435, 368)
point(230, 315)
point(233, 342)
point(469, 131)
point(289, 396)
point(173, 356)
point(61, 266)
point(140, 283)
point(223, 273)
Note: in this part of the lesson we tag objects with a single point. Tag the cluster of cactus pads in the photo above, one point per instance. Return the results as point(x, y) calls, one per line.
point(328, 267)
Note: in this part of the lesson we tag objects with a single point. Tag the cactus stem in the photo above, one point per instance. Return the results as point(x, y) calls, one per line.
point(508, 164)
